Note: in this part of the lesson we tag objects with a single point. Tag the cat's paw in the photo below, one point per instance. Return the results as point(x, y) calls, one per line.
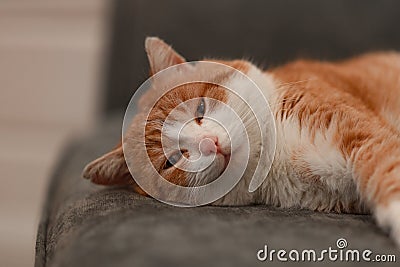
point(388, 217)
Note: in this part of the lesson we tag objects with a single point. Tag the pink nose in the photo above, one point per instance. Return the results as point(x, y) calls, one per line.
point(208, 145)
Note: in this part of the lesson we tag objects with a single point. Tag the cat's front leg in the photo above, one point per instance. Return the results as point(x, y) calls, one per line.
point(388, 217)
point(377, 174)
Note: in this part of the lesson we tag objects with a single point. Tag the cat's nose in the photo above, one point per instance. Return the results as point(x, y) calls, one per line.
point(208, 145)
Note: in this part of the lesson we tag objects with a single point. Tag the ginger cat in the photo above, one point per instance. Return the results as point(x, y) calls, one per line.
point(337, 135)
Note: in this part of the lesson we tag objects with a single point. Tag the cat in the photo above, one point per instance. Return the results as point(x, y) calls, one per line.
point(337, 134)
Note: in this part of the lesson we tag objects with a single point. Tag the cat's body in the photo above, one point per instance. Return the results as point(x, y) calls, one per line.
point(337, 135)
point(316, 106)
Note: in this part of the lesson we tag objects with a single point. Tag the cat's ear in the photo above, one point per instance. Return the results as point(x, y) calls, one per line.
point(109, 169)
point(161, 55)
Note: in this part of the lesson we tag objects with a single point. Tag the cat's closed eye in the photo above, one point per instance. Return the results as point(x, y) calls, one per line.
point(201, 109)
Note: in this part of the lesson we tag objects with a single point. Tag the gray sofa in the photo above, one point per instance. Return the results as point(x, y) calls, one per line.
point(88, 225)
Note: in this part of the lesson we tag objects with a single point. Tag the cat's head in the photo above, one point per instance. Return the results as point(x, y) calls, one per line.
point(191, 127)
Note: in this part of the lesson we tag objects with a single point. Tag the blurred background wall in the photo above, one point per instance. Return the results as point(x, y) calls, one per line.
point(51, 65)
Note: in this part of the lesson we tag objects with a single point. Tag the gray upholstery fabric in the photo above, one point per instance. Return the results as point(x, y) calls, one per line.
point(88, 225)
point(267, 32)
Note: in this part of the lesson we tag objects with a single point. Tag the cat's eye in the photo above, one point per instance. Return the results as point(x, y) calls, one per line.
point(173, 159)
point(201, 109)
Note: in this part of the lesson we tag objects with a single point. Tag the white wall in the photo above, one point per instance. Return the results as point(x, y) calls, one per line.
point(51, 55)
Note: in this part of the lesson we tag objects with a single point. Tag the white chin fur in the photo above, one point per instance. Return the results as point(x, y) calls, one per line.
point(388, 217)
